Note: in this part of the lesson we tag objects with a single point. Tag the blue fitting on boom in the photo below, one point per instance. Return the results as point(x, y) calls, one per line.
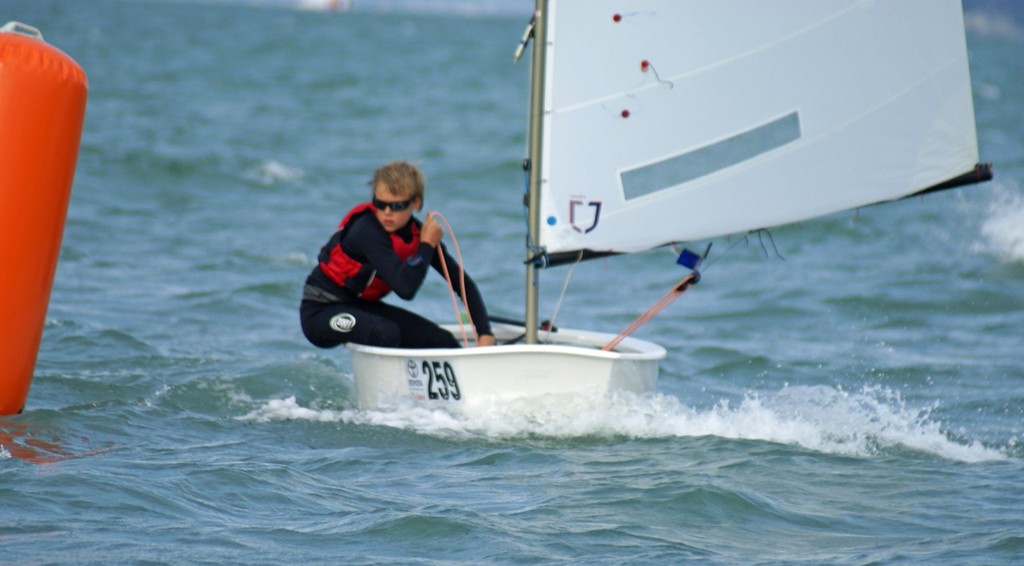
point(692, 261)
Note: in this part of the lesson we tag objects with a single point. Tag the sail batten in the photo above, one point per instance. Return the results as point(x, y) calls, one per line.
point(719, 155)
point(689, 120)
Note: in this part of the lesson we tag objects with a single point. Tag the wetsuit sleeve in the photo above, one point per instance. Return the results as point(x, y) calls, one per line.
point(476, 306)
point(369, 243)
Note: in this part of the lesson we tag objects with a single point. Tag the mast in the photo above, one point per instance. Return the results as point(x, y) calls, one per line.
point(536, 126)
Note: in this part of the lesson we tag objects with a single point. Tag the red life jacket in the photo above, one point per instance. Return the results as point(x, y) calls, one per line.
point(354, 275)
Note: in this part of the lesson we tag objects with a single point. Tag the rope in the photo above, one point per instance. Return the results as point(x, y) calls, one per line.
point(565, 287)
point(447, 276)
point(684, 284)
point(688, 281)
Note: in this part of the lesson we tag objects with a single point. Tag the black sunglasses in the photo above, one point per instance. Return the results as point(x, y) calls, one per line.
point(397, 206)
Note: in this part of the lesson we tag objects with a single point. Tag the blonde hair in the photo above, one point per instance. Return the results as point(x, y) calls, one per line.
point(401, 179)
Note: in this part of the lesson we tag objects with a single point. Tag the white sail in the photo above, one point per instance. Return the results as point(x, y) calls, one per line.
point(681, 120)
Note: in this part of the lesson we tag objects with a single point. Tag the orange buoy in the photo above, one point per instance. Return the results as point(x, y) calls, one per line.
point(42, 108)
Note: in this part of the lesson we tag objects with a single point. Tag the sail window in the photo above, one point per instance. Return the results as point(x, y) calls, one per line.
point(691, 165)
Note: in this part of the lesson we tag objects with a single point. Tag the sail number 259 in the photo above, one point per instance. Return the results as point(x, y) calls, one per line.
point(441, 381)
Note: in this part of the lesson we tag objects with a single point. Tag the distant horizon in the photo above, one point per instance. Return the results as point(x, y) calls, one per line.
point(481, 7)
point(1013, 9)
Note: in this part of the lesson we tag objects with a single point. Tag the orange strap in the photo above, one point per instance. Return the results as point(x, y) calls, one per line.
point(684, 284)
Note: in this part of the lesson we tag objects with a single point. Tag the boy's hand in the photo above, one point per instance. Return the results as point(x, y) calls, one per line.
point(431, 232)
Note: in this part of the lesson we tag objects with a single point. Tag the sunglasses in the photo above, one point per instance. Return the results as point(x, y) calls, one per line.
point(396, 206)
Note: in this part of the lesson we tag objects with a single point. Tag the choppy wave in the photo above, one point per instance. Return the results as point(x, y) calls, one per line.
point(271, 172)
point(825, 419)
point(992, 23)
point(1003, 229)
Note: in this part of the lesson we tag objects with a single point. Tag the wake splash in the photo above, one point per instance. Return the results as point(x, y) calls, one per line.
point(1004, 228)
point(824, 419)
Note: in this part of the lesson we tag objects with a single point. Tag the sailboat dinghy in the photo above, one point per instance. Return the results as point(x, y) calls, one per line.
point(682, 121)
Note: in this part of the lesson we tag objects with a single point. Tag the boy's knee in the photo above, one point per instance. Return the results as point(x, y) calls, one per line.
point(386, 334)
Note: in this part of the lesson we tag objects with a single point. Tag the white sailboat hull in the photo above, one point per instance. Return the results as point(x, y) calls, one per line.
point(568, 362)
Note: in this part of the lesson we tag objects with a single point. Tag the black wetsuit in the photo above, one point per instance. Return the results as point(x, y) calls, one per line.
point(332, 314)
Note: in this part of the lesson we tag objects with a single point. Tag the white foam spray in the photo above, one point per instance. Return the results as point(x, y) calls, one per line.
point(271, 172)
point(1004, 228)
point(823, 419)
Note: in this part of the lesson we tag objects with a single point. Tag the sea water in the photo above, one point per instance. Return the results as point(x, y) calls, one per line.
point(847, 390)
